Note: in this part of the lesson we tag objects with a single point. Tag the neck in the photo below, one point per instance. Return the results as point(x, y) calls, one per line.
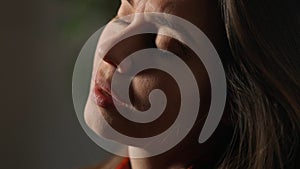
point(177, 158)
point(187, 153)
point(161, 161)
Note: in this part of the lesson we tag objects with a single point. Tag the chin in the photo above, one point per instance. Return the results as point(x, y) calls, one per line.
point(97, 120)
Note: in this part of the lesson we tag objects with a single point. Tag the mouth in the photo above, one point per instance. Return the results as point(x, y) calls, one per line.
point(105, 98)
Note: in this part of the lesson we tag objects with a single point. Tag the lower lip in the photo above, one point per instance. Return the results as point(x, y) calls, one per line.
point(102, 99)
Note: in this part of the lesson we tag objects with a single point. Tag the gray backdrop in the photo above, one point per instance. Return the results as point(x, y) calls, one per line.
point(40, 41)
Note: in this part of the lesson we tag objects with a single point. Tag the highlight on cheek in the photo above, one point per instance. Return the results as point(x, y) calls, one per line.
point(109, 101)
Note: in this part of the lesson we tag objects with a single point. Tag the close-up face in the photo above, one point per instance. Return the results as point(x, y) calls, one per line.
point(150, 84)
point(111, 51)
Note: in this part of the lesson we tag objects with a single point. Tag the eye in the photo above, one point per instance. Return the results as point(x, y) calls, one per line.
point(123, 20)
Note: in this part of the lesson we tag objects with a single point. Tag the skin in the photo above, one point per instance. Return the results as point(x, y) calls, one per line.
point(202, 13)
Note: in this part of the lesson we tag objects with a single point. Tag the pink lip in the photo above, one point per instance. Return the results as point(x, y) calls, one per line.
point(103, 95)
point(102, 98)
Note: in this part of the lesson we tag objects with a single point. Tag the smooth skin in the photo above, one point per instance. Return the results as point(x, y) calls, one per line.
point(205, 15)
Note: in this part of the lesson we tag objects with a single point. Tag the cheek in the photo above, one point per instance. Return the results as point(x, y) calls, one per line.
point(147, 81)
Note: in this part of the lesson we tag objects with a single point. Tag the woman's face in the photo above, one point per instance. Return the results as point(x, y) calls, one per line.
point(202, 13)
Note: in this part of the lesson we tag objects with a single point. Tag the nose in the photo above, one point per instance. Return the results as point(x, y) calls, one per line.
point(115, 48)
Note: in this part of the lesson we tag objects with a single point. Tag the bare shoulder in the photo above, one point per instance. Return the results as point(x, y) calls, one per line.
point(110, 163)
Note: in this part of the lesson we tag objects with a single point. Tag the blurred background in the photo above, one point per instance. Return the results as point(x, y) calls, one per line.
point(40, 41)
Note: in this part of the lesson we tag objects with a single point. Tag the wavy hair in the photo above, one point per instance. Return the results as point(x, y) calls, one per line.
point(263, 83)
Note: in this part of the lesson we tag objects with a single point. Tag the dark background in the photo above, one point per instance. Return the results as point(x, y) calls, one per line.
point(40, 41)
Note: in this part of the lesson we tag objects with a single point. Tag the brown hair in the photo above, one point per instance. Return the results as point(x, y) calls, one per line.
point(263, 83)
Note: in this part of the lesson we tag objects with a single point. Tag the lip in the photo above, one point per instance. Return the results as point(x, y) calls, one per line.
point(104, 97)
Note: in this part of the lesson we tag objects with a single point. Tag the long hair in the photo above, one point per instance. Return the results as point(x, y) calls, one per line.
point(263, 83)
